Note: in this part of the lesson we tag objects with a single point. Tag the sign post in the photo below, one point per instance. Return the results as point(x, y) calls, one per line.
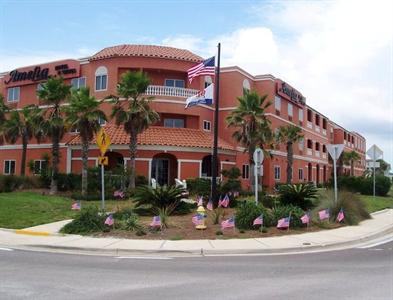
point(335, 152)
point(103, 142)
point(375, 153)
point(258, 159)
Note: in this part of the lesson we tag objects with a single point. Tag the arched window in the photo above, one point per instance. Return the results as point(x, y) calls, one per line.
point(208, 81)
point(101, 78)
point(246, 86)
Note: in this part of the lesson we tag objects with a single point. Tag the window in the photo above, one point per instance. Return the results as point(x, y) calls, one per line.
point(13, 94)
point(77, 83)
point(39, 165)
point(101, 121)
point(208, 81)
point(309, 144)
point(40, 86)
point(177, 123)
point(9, 167)
point(317, 119)
point(309, 115)
point(324, 123)
point(277, 105)
point(301, 144)
point(101, 78)
point(246, 172)
point(246, 85)
point(174, 83)
point(300, 174)
point(317, 146)
point(324, 148)
point(206, 125)
point(301, 115)
point(277, 172)
point(290, 111)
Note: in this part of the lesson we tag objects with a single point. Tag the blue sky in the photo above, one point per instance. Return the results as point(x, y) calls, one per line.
point(337, 53)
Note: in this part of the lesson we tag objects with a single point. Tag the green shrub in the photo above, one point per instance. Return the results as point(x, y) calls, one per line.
point(354, 208)
point(247, 212)
point(382, 185)
point(267, 200)
point(284, 211)
point(141, 180)
point(219, 232)
point(301, 195)
point(132, 223)
point(199, 186)
point(9, 183)
point(89, 220)
point(232, 182)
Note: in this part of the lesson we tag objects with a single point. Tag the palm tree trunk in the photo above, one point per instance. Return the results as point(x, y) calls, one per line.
point(352, 168)
point(289, 162)
point(252, 167)
point(25, 140)
point(85, 153)
point(132, 148)
point(55, 161)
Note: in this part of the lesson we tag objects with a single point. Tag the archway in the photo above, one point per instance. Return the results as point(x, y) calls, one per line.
point(115, 160)
point(164, 168)
point(207, 166)
point(309, 175)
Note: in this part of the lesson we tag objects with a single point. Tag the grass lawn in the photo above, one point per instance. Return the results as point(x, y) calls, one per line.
point(378, 203)
point(26, 209)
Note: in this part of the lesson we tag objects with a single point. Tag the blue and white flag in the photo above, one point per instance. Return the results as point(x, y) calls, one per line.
point(203, 97)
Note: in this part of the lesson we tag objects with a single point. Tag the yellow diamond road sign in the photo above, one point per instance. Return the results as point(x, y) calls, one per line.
point(103, 160)
point(103, 141)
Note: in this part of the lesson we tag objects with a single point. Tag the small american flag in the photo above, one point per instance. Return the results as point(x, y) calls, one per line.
point(340, 215)
point(197, 219)
point(306, 218)
point(283, 223)
point(219, 201)
point(109, 220)
point(210, 205)
point(200, 201)
point(156, 222)
point(225, 201)
point(230, 223)
point(258, 220)
point(324, 214)
point(119, 194)
point(76, 206)
point(204, 68)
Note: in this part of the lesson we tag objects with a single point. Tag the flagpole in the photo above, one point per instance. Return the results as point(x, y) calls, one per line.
point(215, 142)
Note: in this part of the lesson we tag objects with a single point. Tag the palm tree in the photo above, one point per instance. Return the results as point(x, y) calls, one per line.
point(289, 135)
point(23, 124)
point(349, 158)
point(83, 114)
point(134, 113)
point(252, 126)
point(52, 93)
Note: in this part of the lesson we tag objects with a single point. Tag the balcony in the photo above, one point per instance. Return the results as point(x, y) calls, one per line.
point(309, 124)
point(317, 129)
point(309, 151)
point(317, 154)
point(324, 131)
point(160, 90)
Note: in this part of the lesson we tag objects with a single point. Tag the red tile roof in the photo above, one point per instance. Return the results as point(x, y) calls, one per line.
point(161, 136)
point(146, 51)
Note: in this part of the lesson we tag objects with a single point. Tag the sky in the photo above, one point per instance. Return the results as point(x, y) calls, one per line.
point(338, 54)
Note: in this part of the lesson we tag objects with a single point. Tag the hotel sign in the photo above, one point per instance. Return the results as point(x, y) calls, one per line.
point(286, 91)
point(29, 75)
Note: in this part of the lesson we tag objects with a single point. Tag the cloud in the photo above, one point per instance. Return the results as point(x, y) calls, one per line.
point(337, 53)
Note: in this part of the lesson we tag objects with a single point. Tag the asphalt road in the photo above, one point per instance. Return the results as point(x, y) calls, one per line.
point(347, 274)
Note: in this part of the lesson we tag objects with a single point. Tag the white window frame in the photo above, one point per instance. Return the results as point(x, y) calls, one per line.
point(174, 83)
point(100, 72)
point(301, 115)
point(301, 144)
point(277, 171)
point(246, 171)
point(102, 122)
point(41, 161)
point(12, 90)
point(300, 171)
point(290, 110)
point(206, 124)
point(208, 81)
point(277, 103)
point(9, 160)
point(173, 122)
point(78, 79)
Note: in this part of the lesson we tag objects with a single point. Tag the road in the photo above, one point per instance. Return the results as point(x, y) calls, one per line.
point(346, 274)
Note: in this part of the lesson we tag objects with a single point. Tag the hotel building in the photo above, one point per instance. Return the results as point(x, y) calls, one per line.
point(180, 144)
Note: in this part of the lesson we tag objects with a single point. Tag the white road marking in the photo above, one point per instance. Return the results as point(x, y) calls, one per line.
point(144, 257)
point(6, 249)
point(377, 244)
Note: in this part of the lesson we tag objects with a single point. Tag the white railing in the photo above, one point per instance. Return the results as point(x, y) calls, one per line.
point(317, 153)
point(309, 124)
point(160, 90)
point(317, 129)
point(324, 131)
point(309, 152)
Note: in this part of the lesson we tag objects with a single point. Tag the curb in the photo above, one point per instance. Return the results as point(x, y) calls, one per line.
point(31, 232)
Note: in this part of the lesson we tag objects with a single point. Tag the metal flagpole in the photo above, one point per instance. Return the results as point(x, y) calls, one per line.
point(374, 162)
point(215, 143)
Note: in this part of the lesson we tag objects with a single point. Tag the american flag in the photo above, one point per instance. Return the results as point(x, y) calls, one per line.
point(200, 201)
point(156, 222)
point(204, 68)
point(324, 214)
point(225, 201)
point(283, 223)
point(219, 201)
point(210, 205)
point(119, 194)
point(109, 220)
point(76, 206)
point(258, 220)
point(197, 219)
point(230, 223)
point(340, 215)
point(306, 218)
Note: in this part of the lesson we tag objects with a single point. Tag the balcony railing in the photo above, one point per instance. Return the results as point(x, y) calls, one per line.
point(309, 151)
point(160, 90)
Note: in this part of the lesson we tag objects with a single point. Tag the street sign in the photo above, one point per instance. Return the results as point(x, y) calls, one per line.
point(258, 171)
point(258, 156)
point(103, 160)
point(103, 141)
point(374, 152)
point(373, 164)
point(335, 150)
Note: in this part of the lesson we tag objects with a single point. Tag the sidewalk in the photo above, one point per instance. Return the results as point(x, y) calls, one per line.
point(379, 225)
